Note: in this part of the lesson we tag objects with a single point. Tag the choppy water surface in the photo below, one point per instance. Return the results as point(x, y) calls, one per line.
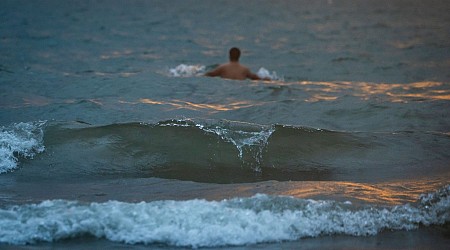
point(109, 130)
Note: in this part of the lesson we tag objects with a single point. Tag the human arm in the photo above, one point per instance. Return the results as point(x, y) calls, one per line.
point(215, 72)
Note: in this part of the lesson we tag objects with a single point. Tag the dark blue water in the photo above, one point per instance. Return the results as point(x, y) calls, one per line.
point(109, 133)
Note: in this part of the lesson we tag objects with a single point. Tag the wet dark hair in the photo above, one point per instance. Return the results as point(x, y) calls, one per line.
point(235, 53)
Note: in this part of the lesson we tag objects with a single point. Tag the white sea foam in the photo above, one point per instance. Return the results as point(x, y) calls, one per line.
point(23, 139)
point(200, 223)
point(253, 141)
point(184, 70)
point(264, 73)
point(246, 137)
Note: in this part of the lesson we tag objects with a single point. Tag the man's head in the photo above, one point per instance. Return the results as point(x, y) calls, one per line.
point(235, 53)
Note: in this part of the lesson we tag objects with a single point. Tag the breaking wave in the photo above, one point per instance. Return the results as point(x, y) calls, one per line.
point(218, 151)
point(208, 151)
point(23, 139)
point(201, 223)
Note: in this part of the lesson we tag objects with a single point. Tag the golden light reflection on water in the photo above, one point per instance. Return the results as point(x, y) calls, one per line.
point(180, 104)
point(329, 91)
point(390, 193)
point(418, 91)
point(310, 92)
point(319, 97)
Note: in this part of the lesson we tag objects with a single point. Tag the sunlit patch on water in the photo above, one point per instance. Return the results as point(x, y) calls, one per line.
point(393, 92)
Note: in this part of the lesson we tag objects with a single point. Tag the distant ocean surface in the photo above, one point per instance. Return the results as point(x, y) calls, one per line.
point(111, 137)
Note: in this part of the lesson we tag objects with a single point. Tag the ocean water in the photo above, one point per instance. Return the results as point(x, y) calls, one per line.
point(110, 136)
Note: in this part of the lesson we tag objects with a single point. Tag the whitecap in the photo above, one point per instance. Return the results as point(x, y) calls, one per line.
point(23, 139)
point(264, 73)
point(201, 223)
point(184, 70)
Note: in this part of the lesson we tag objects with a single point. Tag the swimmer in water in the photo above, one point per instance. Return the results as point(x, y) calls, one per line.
point(233, 69)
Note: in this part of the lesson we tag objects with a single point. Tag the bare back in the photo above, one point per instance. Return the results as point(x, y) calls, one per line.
point(233, 70)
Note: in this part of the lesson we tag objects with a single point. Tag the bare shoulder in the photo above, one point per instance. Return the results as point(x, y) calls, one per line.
point(217, 71)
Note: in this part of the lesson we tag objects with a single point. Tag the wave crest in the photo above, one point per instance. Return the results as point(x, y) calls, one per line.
point(184, 70)
point(201, 223)
point(23, 139)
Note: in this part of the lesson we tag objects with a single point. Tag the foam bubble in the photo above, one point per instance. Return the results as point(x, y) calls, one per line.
point(264, 73)
point(253, 142)
point(184, 70)
point(246, 137)
point(23, 139)
point(201, 223)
